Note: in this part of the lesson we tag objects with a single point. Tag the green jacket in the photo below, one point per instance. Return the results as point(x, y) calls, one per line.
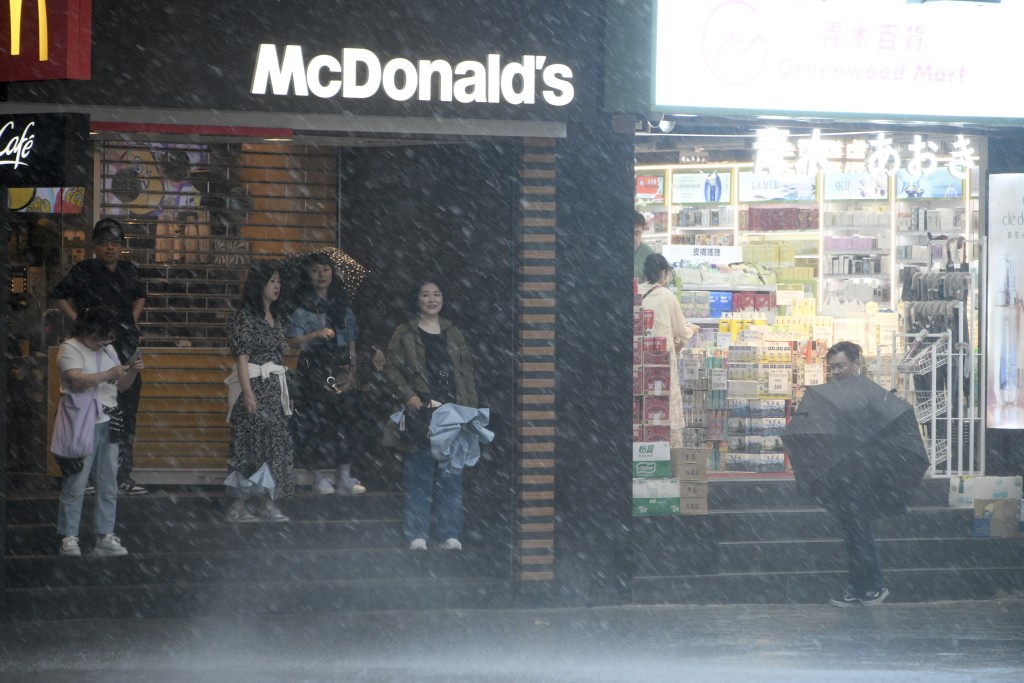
point(406, 370)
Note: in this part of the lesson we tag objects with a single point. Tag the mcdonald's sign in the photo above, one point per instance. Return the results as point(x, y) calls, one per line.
point(44, 40)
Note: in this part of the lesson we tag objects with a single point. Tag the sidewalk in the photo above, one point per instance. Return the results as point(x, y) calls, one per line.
point(946, 641)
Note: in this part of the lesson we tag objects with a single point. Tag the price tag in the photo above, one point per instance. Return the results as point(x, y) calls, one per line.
point(719, 379)
point(822, 332)
point(691, 373)
point(723, 340)
point(814, 374)
point(778, 382)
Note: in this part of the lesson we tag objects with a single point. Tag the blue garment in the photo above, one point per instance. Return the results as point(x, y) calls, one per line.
point(420, 467)
point(456, 433)
point(72, 492)
point(312, 317)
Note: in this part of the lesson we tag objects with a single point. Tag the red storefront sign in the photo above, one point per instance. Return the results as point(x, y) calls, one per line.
point(45, 40)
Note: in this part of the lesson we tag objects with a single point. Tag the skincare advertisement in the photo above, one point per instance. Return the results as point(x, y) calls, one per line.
point(702, 188)
point(1005, 300)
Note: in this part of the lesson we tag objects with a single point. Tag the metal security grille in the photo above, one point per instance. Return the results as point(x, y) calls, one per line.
point(196, 214)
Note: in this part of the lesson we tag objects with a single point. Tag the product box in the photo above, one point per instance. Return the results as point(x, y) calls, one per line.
point(638, 351)
point(997, 518)
point(652, 460)
point(638, 381)
point(964, 490)
point(743, 301)
point(656, 351)
point(657, 432)
point(719, 303)
point(693, 498)
point(655, 497)
point(762, 302)
point(638, 410)
point(688, 455)
point(656, 409)
point(638, 431)
point(657, 381)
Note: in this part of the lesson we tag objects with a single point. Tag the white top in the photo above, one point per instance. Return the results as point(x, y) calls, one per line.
point(669, 321)
point(73, 354)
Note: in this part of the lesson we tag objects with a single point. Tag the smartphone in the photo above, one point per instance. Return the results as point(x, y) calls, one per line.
point(135, 356)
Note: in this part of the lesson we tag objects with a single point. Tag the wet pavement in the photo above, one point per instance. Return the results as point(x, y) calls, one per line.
point(945, 641)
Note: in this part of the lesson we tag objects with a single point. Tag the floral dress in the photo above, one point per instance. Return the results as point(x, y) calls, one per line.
point(263, 436)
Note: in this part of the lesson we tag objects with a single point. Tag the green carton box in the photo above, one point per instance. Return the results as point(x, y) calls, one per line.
point(651, 460)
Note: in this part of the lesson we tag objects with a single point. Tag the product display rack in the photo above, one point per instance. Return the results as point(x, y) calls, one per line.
point(849, 236)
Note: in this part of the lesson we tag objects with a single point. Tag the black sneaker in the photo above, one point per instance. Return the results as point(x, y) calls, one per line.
point(874, 597)
point(128, 487)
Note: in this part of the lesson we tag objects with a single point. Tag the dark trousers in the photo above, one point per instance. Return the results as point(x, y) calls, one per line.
point(128, 401)
point(865, 568)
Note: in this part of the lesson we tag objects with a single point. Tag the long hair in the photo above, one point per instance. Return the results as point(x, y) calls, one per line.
point(654, 266)
point(259, 275)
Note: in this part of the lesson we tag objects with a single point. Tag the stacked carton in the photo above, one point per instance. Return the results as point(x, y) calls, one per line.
point(690, 466)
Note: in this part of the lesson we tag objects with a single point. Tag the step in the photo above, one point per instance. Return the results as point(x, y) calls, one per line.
point(140, 571)
point(816, 523)
point(206, 506)
point(212, 536)
point(830, 554)
point(739, 494)
point(906, 585)
point(256, 598)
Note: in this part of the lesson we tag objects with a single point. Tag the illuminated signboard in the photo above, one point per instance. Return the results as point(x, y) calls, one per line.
point(45, 40)
point(863, 58)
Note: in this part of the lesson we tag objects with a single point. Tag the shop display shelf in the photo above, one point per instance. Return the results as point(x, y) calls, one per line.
point(928, 405)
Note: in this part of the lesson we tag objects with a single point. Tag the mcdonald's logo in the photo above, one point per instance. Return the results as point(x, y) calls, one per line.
point(44, 35)
point(45, 40)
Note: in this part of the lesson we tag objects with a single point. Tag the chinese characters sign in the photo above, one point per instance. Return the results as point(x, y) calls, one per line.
point(861, 58)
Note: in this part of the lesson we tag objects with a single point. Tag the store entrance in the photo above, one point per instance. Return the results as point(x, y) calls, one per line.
point(444, 211)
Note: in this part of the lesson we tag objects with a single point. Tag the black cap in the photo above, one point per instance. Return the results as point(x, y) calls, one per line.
point(107, 228)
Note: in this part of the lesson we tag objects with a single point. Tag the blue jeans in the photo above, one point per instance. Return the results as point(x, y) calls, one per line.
point(865, 567)
point(103, 461)
point(420, 467)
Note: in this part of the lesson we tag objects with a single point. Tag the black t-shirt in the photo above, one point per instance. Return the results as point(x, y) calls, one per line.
point(90, 283)
point(439, 367)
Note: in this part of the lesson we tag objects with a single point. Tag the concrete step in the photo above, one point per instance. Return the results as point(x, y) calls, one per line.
point(142, 571)
point(255, 598)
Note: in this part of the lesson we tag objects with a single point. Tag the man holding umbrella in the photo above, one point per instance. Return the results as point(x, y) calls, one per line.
point(856, 448)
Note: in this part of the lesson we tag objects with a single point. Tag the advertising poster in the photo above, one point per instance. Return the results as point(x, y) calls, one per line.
point(701, 188)
point(1005, 300)
point(650, 189)
point(938, 184)
point(771, 187)
point(845, 186)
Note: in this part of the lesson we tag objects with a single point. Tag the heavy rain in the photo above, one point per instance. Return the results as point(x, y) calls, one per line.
point(320, 340)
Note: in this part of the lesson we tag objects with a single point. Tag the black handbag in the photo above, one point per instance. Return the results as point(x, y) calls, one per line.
point(327, 368)
point(414, 429)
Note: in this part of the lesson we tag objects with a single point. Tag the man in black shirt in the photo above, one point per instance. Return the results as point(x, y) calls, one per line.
point(108, 280)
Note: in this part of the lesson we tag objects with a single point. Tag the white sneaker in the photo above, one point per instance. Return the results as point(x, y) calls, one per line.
point(69, 547)
point(451, 544)
point(109, 545)
point(322, 485)
point(418, 544)
point(350, 487)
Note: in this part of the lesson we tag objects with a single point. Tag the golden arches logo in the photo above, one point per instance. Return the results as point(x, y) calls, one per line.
point(44, 38)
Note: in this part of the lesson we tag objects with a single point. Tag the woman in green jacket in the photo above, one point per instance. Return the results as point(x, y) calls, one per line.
point(429, 364)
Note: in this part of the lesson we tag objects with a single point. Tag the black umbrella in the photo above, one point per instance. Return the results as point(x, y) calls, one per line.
point(350, 271)
point(853, 441)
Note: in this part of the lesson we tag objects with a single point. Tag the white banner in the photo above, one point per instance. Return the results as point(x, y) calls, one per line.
point(862, 57)
point(1005, 300)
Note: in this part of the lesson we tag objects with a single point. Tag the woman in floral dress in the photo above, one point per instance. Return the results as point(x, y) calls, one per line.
point(258, 394)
